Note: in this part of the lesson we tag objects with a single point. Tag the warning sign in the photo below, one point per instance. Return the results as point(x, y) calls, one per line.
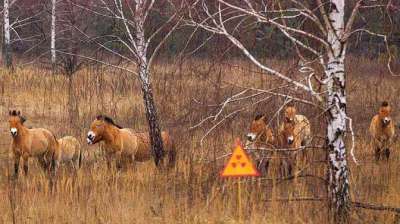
point(239, 164)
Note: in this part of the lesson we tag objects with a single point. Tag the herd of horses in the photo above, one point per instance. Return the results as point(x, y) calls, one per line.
point(294, 135)
point(125, 145)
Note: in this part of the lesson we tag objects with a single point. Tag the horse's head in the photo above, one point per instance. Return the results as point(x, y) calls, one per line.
point(384, 113)
point(98, 129)
point(16, 121)
point(258, 129)
point(290, 114)
point(288, 135)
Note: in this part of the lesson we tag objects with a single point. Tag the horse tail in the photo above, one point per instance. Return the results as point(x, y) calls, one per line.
point(80, 159)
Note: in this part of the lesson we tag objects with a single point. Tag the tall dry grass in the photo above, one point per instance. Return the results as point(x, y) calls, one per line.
point(192, 192)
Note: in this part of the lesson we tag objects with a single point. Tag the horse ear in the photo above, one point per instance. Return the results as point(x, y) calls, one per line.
point(18, 113)
point(290, 104)
point(259, 116)
point(264, 118)
point(9, 112)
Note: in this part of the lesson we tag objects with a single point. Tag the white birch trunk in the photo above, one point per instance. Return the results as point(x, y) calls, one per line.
point(144, 75)
point(53, 33)
point(338, 190)
point(7, 39)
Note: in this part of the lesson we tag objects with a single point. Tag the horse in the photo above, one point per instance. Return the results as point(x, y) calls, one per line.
point(382, 130)
point(39, 143)
point(71, 151)
point(294, 133)
point(260, 136)
point(124, 143)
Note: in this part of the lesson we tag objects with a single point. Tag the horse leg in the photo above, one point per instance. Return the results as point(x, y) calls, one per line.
point(377, 153)
point(16, 165)
point(26, 161)
point(266, 166)
point(387, 153)
point(118, 157)
point(42, 162)
point(55, 163)
point(109, 160)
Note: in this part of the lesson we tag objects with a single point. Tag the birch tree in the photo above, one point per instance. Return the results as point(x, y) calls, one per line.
point(18, 22)
point(138, 46)
point(323, 45)
point(7, 58)
point(53, 34)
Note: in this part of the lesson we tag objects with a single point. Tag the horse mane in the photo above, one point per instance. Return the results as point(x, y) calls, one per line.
point(385, 104)
point(108, 120)
point(258, 117)
point(18, 114)
point(290, 104)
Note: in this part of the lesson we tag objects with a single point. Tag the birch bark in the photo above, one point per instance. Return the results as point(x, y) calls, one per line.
point(53, 34)
point(338, 190)
point(7, 48)
point(144, 76)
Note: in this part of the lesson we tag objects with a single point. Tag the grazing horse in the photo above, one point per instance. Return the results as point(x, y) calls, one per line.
point(382, 131)
point(35, 142)
point(260, 136)
point(294, 133)
point(124, 143)
point(71, 151)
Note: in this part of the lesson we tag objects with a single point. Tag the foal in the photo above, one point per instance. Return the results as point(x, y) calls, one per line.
point(71, 151)
point(36, 142)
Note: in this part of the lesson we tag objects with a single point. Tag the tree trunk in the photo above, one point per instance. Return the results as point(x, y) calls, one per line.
point(71, 104)
point(7, 39)
point(154, 128)
point(338, 189)
point(53, 34)
point(144, 74)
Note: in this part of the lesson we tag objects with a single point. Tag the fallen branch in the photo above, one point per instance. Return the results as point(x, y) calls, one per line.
point(375, 207)
point(295, 199)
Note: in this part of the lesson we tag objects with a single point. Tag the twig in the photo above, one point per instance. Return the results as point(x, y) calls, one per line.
point(375, 207)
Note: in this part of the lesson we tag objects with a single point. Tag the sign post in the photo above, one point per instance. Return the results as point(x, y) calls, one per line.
point(239, 165)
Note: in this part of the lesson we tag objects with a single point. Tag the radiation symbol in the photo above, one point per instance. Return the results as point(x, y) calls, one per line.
point(239, 165)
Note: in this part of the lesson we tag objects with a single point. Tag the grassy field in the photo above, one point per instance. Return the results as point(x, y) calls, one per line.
point(192, 192)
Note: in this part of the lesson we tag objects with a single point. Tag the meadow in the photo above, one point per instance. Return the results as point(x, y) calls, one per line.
point(192, 192)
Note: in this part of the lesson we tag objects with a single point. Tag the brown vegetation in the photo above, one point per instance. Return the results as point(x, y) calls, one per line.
point(192, 192)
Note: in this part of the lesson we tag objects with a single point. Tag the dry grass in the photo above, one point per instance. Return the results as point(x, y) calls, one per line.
point(192, 192)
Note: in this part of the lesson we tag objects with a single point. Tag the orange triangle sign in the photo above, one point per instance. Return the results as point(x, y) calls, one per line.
point(239, 165)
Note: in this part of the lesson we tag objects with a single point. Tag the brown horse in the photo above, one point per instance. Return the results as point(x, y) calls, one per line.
point(294, 133)
point(260, 136)
point(36, 142)
point(382, 131)
point(124, 143)
point(71, 151)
